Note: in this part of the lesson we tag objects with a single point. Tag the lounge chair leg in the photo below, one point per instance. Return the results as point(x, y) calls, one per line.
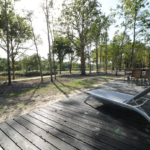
point(87, 98)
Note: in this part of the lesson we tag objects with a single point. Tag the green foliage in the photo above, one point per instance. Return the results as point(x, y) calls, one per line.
point(61, 48)
point(3, 64)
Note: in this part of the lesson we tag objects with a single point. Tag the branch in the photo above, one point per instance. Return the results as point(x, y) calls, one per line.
point(3, 48)
point(73, 42)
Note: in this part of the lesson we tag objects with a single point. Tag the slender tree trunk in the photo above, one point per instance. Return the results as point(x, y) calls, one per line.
point(103, 63)
point(120, 61)
point(132, 53)
point(47, 21)
point(13, 67)
point(12, 58)
point(100, 58)
point(96, 57)
point(121, 48)
point(117, 66)
point(7, 34)
point(82, 61)
point(71, 64)
point(149, 60)
point(26, 68)
point(53, 41)
point(90, 66)
point(60, 67)
point(89, 62)
point(54, 60)
point(41, 74)
point(106, 51)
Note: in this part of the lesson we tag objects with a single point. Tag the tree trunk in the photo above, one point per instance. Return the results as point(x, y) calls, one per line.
point(41, 74)
point(103, 63)
point(120, 62)
point(89, 63)
point(106, 51)
point(106, 57)
point(82, 62)
point(54, 59)
point(70, 64)
point(13, 67)
point(60, 68)
point(100, 58)
point(112, 64)
point(12, 58)
point(96, 57)
point(7, 34)
point(132, 53)
point(149, 60)
point(47, 22)
point(26, 68)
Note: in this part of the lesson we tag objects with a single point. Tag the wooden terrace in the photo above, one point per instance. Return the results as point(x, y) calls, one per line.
point(71, 124)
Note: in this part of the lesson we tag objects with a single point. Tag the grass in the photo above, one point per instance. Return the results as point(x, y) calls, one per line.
point(65, 87)
point(42, 93)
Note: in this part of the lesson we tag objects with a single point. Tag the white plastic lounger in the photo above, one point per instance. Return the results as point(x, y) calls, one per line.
point(121, 99)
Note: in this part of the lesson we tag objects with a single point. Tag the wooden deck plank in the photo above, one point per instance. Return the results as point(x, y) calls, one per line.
point(81, 116)
point(95, 116)
point(36, 140)
point(87, 119)
point(69, 140)
point(106, 119)
point(113, 141)
point(44, 131)
point(7, 143)
point(96, 103)
point(119, 112)
point(71, 132)
point(86, 124)
point(73, 126)
point(17, 138)
point(120, 115)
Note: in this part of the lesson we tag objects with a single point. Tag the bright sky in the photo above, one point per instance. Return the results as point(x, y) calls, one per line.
point(40, 24)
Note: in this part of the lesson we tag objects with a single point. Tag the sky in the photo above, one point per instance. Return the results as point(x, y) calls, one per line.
point(40, 24)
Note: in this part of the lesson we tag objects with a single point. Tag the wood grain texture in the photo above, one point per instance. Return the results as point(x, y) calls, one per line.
point(94, 118)
point(17, 138)
point(7, 143)
point(107, 137)
point(36, 140)
point(72, 132)
point(106, 117)
point(43, 130)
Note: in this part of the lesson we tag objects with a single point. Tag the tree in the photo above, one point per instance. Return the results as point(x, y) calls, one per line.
point(19, 33)
point(96, 33)
point(46, 12)
point(71, 57)
point(135, 10)
point(37, 40)
point(107, 22)
point(77, 19)
point(25, 62)
point(4, 25)
point(3, 64)
point(61, 48)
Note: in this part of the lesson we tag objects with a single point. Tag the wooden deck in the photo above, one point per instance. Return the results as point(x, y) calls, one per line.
point(71, 124)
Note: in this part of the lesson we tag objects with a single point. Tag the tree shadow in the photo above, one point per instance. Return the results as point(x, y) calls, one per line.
point(61, 90)
point(70, 87)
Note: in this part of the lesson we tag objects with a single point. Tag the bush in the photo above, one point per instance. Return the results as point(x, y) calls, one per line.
point(28, 74)
point(32, 74)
